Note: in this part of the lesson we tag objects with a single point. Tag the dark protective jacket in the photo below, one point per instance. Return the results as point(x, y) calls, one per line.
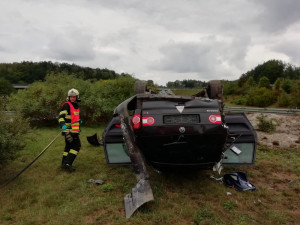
point(69, 116)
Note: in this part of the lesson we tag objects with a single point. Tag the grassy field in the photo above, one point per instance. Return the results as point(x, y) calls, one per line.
point(186, 92)
point(44, 194)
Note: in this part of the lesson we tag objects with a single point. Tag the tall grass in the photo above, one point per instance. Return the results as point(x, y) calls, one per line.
point(44, 194)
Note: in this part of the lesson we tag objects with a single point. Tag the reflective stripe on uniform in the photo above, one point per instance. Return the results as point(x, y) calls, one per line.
point(61, 120)
point(73, 151)
point(65, 153)
point(63, 112)
point(67, 131)
point(75, 127)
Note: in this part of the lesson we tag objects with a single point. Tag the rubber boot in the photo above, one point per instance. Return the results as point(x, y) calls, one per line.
point(63, 161)
point(68, 168)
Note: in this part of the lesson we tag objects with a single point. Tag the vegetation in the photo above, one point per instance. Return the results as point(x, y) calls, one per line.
point(44, 194)
point(28, 72)
point(186, 84)
point(42, 100)
point(271, 83)
point(264, 124)
point(12, 130)
point(272, 69)
point(6, 87)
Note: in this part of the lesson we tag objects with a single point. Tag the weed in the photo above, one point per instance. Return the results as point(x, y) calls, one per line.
point(6, 217)
point(229, 205)
point(107, 187)
point(202, 215)
point(264, 124)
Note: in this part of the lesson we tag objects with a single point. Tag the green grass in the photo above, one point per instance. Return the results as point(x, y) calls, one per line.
point(44, 194)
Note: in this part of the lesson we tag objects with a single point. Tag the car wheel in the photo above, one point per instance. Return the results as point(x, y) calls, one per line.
point(215, 90)
point(140, 87)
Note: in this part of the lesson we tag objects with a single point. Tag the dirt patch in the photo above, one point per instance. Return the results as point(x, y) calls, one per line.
point(287, 133)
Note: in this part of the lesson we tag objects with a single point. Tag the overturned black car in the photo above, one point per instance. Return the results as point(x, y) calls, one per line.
point(168, 131)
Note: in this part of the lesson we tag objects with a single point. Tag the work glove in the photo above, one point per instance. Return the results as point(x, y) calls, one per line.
point(64, 127)
point(69, 137)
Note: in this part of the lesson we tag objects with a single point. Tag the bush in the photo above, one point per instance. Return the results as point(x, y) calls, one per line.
point(104, 96)
point(6, 87)
point(286, 85)
point(264, 83)
point(230, 88)
point(261, 97)
point(295, 95)
point(241, 100)
point(264, 124)
point(12, 131)
point(283, 100)
point(42, 101)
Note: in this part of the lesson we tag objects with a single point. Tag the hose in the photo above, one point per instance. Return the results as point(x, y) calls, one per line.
point(26, 167)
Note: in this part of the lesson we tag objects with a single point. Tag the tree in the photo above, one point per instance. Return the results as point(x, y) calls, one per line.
point(277, 84)
point(260, 97)
point(250, 82)
point(12, 131)
point(295, 94)
point(264, 82)
point(6, 87)
point(286, 85)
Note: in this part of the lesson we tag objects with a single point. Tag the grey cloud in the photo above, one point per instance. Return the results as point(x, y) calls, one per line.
point(291, 49)
point(72, 45)
point(205, 55)
point(185, 57)
point(277, 15)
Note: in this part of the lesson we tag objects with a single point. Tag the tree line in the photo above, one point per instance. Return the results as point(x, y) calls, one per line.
point(28, 72)
point(271, 83)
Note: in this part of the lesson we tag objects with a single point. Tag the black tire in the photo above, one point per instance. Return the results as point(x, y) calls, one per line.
point(140, 87)
point(215, 90)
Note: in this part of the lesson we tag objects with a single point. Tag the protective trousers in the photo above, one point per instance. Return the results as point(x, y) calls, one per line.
point(71, 150)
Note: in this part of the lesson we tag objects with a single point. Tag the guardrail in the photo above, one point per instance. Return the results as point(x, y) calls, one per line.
point(10, 112)
point(261, 110)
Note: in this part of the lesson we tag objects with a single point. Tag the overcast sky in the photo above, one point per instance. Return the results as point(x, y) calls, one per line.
point(159, 40)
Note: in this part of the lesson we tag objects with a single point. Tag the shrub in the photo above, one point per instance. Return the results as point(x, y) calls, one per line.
point(260, 97)
point(229, 88)
point(283, 100)
point(295, 95)
point(12, 131)
point(6, 87)
point(241, 100)
point(104, 96)
point(264, 124)
point(42, 100)
point(286, 85)
point(264, 83)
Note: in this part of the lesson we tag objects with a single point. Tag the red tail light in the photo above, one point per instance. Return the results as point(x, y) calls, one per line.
point(215, 119)
point(148, 121)
point(118, 125)
point(136, 121)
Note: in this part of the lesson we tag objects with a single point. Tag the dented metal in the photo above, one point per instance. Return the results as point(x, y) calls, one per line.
point(142, 192)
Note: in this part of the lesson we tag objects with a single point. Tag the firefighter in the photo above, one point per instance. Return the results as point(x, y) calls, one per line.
point(70, 122)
